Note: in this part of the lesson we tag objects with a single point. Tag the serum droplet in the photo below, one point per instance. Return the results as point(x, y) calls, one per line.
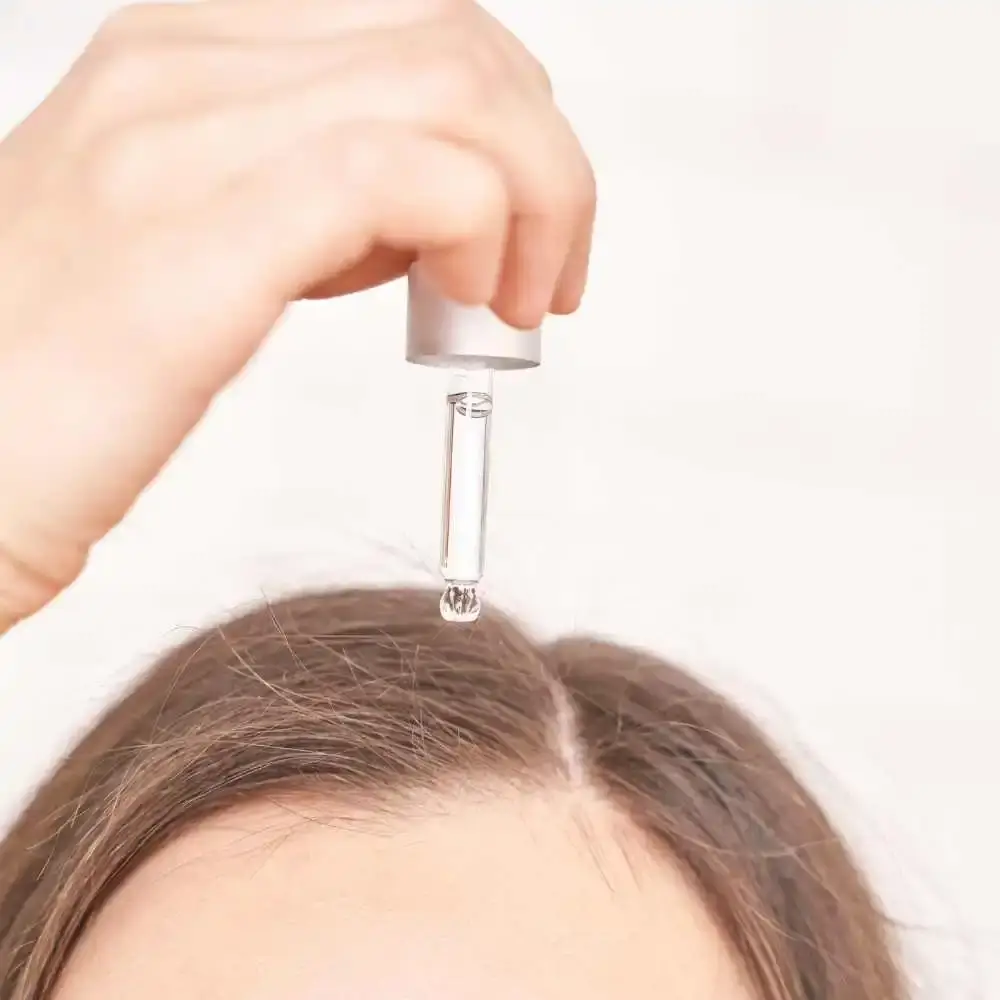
point(460, 603)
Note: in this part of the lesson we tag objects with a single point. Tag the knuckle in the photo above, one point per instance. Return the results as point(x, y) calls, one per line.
point(121, 24)
point(463, 81)
point(568, 204)
point(116, 72)
point(116, 169)
point(562, 208)
point(492, 206)
point(446, 8)
point(362, 159)
point(576, 196)
point(563, 189)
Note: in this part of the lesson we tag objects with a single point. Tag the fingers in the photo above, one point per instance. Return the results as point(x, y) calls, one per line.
point(546, 172)
point(394, 187)
point(297, 223)
point(573, 280)
point(547, 257)
point(381, 265)
point(531, 69)
point(265, 83)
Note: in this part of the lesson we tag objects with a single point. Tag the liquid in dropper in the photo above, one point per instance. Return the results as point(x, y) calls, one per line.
point(463, 531)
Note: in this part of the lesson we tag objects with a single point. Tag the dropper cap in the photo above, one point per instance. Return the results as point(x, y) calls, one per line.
point(444, 334)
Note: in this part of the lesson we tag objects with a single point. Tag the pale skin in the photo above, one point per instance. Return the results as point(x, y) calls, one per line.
point(201, 167)
point(549, 896)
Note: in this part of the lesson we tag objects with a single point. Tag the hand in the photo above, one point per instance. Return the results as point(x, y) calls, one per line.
point(205, 164)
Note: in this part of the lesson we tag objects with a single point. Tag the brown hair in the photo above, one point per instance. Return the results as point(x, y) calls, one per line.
point(367, 693)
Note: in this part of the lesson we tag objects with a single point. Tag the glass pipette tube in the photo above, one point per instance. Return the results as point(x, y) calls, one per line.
point(466, 484)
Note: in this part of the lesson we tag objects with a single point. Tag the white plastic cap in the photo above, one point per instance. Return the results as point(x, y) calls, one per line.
point(444, 334)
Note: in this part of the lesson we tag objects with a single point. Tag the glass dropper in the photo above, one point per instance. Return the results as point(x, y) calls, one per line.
point(473, 342)
point(466, 486)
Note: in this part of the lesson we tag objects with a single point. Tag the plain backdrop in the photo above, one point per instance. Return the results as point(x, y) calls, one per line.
point(768, 447)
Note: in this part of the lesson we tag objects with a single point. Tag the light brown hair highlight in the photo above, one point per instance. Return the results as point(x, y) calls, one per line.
point(365, 694)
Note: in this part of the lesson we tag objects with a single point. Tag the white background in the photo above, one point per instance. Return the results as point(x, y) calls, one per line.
point(769, 446)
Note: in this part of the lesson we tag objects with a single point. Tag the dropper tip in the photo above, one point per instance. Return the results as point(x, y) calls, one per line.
point(460, 603)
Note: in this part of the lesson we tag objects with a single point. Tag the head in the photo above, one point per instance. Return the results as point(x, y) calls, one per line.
point(339, 796)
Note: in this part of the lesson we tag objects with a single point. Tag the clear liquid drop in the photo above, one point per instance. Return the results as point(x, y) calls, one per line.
point(460, 603)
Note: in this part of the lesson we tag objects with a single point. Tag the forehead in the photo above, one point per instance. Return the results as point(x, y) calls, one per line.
point(528, 897)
